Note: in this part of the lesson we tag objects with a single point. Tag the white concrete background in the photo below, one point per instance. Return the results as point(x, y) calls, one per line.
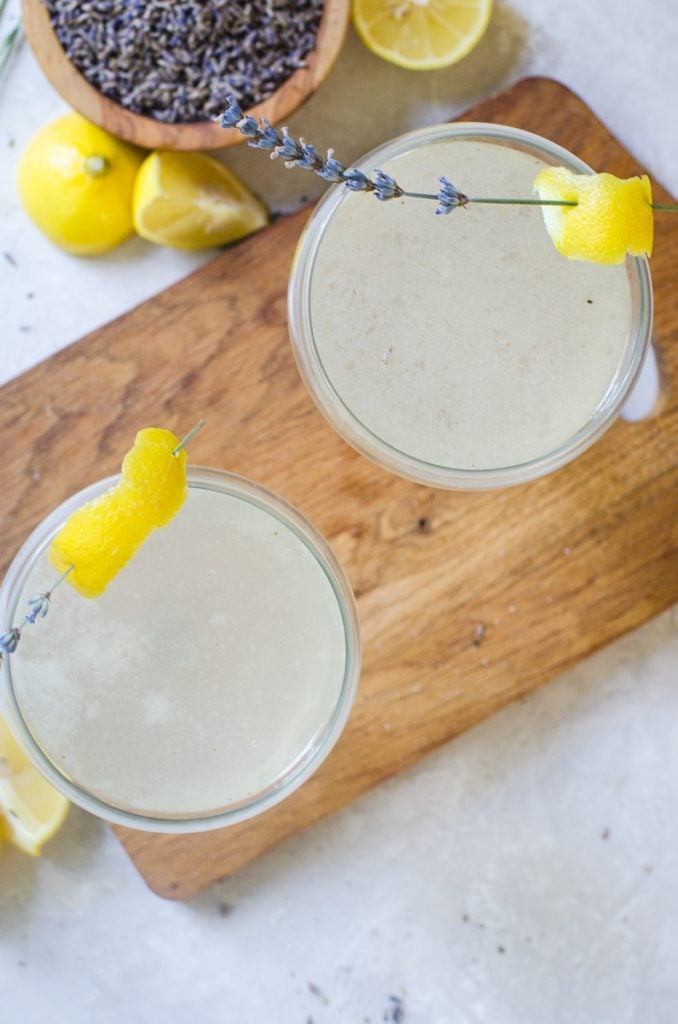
point(526, 872)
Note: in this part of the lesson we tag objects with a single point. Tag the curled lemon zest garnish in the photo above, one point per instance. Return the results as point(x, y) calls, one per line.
point(613, 217)
point(101, 537)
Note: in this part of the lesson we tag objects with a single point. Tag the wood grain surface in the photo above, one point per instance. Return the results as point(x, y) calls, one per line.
point(467, 601)
point(152, 134)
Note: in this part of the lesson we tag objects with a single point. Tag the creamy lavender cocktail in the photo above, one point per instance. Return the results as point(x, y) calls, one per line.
point(462, 350)
point(212, 676)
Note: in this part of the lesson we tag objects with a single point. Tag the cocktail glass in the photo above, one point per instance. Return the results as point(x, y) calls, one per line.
point(462, 351)
point(208, 682)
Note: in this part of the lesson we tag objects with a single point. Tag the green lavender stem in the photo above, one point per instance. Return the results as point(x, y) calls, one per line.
point(60, 580)
point(523, 202)
point(9, 47)
point(508, 202)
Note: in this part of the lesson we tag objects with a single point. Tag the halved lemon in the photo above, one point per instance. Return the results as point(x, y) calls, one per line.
point(31, 810)
point(421, 35)
point(192, 201)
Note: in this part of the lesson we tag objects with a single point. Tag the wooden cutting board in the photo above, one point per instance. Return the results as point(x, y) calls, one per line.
point(466, 601)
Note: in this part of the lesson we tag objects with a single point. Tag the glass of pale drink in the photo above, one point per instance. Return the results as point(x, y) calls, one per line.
point(209, 680)
point(462, 351)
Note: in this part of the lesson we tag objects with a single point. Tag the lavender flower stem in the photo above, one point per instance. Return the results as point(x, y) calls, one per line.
point(9, 47)
point(508, 202)
point(526, 202)
point(60, 580)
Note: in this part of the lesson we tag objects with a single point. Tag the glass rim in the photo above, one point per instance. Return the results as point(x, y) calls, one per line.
point(309, 758)
point(361, 437)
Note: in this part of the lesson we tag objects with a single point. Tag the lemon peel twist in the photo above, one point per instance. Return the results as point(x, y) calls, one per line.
point(610, 219)
point(99, 538)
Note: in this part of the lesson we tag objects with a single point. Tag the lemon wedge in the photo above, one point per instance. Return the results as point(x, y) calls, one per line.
point(192, 201)
point(613, 216)
point(76, 182)
point(31, 810)
point(421, 35)
point(101, 536)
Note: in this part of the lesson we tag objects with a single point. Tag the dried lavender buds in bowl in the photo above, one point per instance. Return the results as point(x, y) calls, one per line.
point(156, 72)
point(177, 60)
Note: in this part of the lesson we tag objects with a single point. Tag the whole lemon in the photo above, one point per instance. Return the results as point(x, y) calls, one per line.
point(76, 182)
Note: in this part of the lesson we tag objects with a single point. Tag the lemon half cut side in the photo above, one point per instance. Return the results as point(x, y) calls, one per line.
point(192, 201)
point(31, 810)
point(421, 35)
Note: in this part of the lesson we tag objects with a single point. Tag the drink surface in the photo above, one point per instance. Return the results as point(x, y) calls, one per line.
point(212, 662)
point(465, 340)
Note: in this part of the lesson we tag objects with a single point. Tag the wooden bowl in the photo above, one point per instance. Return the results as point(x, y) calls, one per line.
point(152, 134)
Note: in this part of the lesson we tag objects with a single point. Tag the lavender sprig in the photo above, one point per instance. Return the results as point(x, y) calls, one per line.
point(9, 46)
point(39, 606)
point(262, 135)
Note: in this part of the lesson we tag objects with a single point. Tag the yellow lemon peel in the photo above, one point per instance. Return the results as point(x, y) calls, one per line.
point(101, 537)
point(613, 216)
